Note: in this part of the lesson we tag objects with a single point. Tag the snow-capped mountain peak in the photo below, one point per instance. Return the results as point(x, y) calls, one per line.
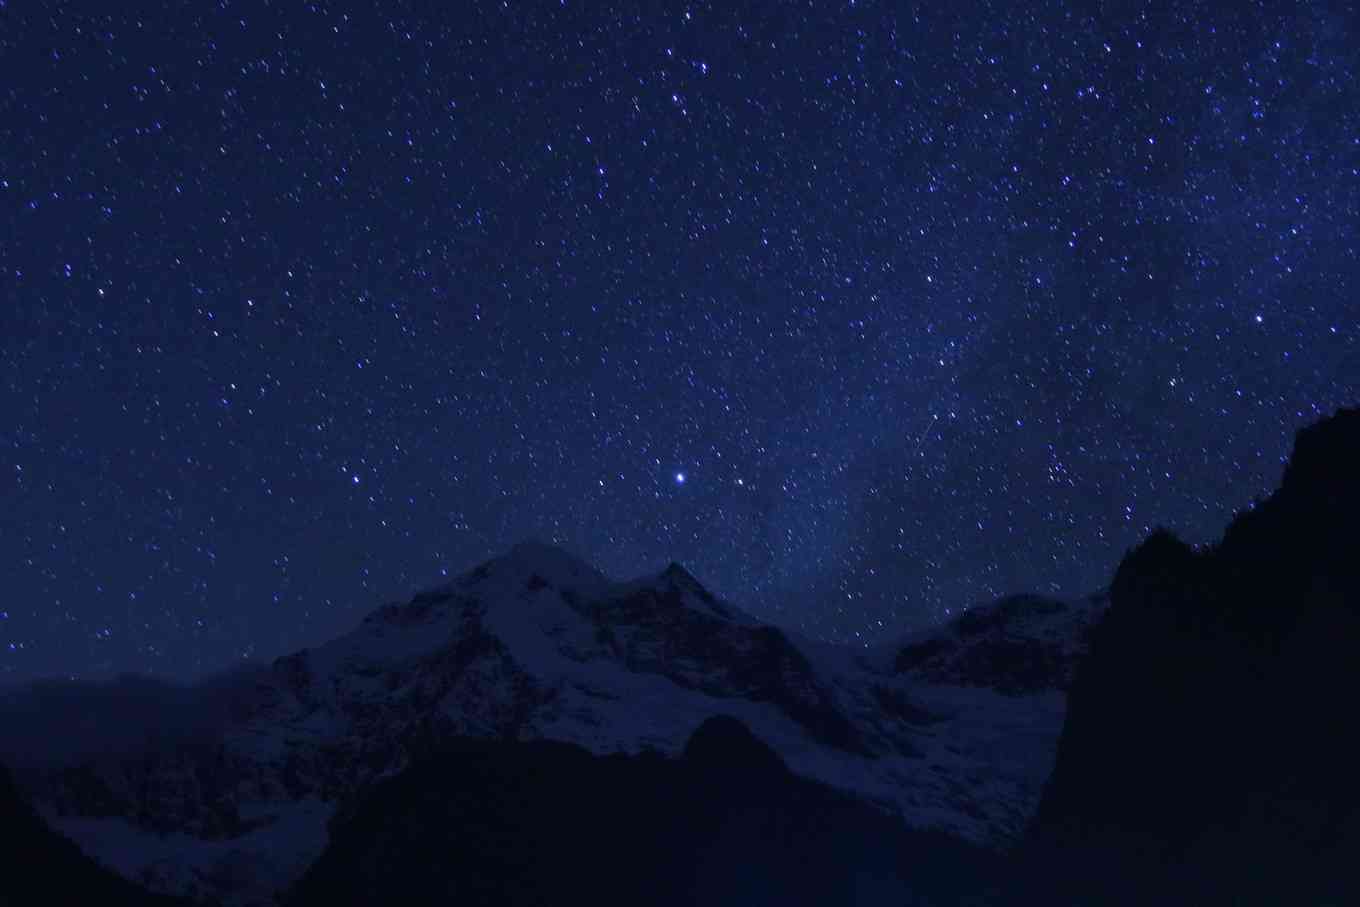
point(553, 563)
point(537, 644)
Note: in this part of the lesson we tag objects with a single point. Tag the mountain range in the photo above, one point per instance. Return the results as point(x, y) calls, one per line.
point(534, 731)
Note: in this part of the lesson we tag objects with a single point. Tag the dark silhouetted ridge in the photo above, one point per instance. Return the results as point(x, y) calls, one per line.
point(513, 823)
point(1210, 748)
point(722, 743)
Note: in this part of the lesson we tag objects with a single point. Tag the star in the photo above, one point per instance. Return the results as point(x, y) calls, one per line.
point(866, 366)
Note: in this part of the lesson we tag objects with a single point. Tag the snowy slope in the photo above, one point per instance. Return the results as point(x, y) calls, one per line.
point(537, 644)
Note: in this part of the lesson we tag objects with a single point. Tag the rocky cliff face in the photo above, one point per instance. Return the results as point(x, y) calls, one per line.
point(1021, 645)
point(537, 645)
point(1210, 750)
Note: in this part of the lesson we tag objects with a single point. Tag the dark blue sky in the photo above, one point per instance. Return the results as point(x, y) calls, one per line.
point(306, 304)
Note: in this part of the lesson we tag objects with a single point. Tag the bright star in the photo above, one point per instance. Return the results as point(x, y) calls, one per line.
point(679, 478)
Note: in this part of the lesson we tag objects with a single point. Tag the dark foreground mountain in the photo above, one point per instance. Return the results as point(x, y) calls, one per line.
point(1211, 752)
point(39, 866)
point(502, 823)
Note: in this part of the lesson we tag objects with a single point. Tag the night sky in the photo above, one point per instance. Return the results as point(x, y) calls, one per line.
point(865, 315)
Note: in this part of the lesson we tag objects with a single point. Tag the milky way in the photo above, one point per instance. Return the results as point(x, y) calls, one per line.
point(863, 315)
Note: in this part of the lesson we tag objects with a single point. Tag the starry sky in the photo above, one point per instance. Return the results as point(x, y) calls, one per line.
point(864, 313)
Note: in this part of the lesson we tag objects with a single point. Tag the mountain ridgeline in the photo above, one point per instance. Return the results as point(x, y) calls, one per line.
point(534, 732)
